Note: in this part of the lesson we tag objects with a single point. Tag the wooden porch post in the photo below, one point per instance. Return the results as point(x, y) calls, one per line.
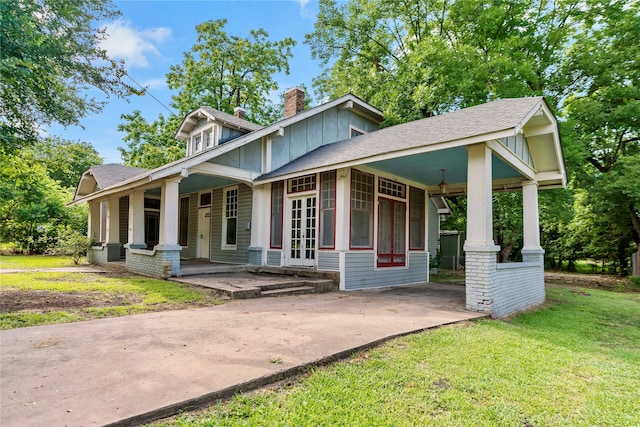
point(169, 206)
point(136, 220)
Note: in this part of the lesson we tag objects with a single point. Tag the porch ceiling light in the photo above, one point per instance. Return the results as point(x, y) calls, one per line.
point(443, 185)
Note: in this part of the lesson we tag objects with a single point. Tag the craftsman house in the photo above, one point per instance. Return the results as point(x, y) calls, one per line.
point(326, 189)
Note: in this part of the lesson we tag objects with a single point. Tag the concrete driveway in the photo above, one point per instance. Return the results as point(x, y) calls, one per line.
point(133, 369)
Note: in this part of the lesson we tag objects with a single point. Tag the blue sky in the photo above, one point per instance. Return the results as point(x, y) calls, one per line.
point(152, 35)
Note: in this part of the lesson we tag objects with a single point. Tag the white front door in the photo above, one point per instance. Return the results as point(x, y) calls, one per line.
point(204, 227)
point(302, 231)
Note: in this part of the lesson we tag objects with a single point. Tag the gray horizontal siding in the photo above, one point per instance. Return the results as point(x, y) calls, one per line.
point(273, 258)
point(360, 272)
point(328, 261)
point(189, 251)
point(433, 231)
point(241, 253)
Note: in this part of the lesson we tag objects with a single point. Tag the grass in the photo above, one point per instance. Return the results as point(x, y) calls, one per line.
point(133, 294)
point(34, 261)
point(573, 362)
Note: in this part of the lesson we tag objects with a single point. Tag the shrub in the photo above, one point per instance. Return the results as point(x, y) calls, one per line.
point(74, 244)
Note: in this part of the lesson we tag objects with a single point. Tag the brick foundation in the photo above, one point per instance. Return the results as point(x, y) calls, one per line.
point(161, 262)
point(506, 288)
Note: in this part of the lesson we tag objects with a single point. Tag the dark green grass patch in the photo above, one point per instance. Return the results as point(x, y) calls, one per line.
point(573, 362)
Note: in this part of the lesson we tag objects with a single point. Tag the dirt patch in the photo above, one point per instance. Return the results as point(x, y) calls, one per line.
point(46, 301)
point(586, 280)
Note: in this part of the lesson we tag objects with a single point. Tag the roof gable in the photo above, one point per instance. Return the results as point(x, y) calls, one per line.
point(191, 120)
point(480, 123)
point(99, 177)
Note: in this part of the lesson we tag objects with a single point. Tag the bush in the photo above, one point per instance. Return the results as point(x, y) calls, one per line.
point(73, 244)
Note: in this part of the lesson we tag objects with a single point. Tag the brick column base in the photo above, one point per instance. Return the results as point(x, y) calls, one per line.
point(480, 269)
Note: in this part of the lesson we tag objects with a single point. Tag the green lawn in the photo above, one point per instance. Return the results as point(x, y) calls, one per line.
point(574, 362)
point(34, 261)
point(54, 297)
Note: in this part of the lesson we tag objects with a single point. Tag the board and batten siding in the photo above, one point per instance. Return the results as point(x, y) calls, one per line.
point(360, 271)
point(518, 146)
point(433, 229)
point(241, 253)
point(328, 261)
point(248, 157)
point(306, 135)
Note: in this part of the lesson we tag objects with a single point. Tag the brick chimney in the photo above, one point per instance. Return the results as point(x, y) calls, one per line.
point(240, 113)
point(293, 101)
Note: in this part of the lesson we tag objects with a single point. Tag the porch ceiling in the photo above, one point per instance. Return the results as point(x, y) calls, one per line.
point(195, 183)
point(424, 168)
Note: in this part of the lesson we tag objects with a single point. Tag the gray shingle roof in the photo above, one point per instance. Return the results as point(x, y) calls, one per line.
point(482, 119)
point(113, 173)
point(225, 117)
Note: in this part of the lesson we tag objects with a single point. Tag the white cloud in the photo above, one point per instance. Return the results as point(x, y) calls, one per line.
point(132, 45)
point(306, 11)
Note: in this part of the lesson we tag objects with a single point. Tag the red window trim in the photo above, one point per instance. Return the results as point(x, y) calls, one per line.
point(392, 255)
point(361, 248)
point(418, 248)
point(281, 216)
point(320, 209)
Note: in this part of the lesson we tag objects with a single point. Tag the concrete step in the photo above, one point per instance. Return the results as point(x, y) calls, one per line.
point(296, 290)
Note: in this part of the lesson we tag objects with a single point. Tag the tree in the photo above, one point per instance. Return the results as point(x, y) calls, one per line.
point(64, 160)
point(49, 56)
point(32, 204)
point(220, 71)
point(224, 72)
point(603, 120)
point(417, 59)
point(150, 145)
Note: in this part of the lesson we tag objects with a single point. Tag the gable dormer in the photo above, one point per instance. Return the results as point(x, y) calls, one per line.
point(206, 128)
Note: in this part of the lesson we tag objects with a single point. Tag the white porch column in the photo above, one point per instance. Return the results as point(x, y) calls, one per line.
point(260, 224)
point(479, 197)
point(136, 220)
point(93, 230)
point(531, 229)
point(480, 250)
point(113, 221)
point(169, 206)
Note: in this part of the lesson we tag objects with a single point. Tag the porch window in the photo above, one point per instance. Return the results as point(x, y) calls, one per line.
point(361, 210)
point(391, 188)
point(327, 209)
point(303, 183)
point(391, 233)
point(230, 218)
point(277, 194)
point(183, 231)
point(417, 218)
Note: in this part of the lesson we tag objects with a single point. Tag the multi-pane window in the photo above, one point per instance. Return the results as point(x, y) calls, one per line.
point(303, 183)
point(361, 232)
point(391, 233)
point(209, 138)
point(277, 198)
point(230, 225)
point(197, 143)
point(392, 188)
point(183, 223)
point(327, 209)
point(416, 218)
